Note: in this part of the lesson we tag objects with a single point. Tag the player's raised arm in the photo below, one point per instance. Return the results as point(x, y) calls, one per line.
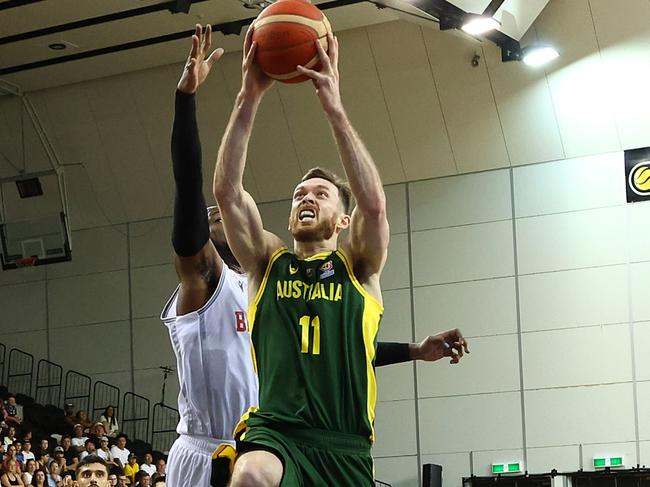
point(249, 242)
point(369, 233)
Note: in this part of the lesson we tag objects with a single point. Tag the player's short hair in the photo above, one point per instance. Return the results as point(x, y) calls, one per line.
point(89, 460)
point(341, 184)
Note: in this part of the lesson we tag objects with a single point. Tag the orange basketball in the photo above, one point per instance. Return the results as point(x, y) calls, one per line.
point(285, 33)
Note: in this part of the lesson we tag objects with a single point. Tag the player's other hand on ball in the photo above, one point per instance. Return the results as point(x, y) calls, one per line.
point(447, 344)
point(198, 65)
point(326, 80)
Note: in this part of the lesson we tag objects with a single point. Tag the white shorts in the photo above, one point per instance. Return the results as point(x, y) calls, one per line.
point(190, 461)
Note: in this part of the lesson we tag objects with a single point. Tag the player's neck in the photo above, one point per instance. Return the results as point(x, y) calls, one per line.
point(304, 250)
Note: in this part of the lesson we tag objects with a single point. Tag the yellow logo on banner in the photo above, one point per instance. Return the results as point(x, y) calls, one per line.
point(640, 179)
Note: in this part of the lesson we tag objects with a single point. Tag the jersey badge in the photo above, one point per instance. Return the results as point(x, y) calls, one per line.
point(326, 270)
point(292, 269)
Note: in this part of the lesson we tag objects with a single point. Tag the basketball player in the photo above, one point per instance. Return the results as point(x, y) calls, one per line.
point(206, 314)
point(314, 313)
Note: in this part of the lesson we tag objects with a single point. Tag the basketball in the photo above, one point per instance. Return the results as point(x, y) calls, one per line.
point(285, 33)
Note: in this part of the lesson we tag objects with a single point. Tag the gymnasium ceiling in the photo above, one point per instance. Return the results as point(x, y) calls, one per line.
point(26, 16)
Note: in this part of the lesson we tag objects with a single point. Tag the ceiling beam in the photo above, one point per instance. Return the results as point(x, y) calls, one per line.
point(233, 27)
point(16, 3)
point(102, 19)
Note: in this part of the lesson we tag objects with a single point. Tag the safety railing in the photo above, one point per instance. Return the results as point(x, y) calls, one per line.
point(105, 395)
point(77, 390)
point(163, 431)
point(20, 372)
point(48, 383)
point(135, 416)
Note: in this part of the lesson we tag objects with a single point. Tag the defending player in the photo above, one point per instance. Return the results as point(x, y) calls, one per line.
point(314, 313)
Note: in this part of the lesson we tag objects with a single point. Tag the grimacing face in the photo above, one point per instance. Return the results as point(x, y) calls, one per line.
point(316, 211)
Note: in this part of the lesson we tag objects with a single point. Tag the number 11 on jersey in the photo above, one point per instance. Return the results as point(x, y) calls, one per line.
point(305, 323)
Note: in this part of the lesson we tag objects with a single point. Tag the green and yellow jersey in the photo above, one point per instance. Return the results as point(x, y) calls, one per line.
point(314, 330)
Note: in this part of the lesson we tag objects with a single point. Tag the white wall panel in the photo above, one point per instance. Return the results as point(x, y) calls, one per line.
point(151, 344)
point(483, 460)
point(34, 342)
point(23, 306)
point(574, 298)
point(93, 298)
point(151, 288)
point(641, 345)
point(395, 429)
point(567, 185)
point(467, 102)
point(571, 240)
point(396, 207)
point(577, 356)
point(639, 284)
point(396, 271)
point(100, 249)
point(581, 94)
point(568, 416)
point(151, 242)
point(455, 466)
point(460, 200)
point(411, 95)
point(396, 321)
point(395, 382)
point(626, 450)
point(92, 349)
point(638, 231)
point(491, 366)
point(463, 253)
point(561, 458)
point(478, 308)
point(468, 423)
point(398, 471)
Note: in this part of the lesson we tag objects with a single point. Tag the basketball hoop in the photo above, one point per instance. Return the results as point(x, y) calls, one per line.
point(26, 261)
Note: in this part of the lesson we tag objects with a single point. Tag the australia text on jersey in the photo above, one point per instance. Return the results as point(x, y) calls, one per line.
point(296, 289)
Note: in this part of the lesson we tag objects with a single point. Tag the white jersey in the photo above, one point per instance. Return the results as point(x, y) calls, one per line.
point(213, 356)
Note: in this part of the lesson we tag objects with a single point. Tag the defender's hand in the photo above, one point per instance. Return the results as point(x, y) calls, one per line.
point(198, 66)
point(447, 344)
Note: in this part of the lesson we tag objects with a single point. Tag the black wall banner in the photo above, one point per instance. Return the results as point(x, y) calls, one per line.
point(637, 174)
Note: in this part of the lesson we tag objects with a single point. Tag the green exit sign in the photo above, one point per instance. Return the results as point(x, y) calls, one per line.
point(614, 461)
point(507, 468)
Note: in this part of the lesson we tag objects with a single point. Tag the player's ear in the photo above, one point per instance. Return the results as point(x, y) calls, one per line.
point(344, 221)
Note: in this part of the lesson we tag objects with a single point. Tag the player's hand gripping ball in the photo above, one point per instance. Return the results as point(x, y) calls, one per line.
point(285, 34)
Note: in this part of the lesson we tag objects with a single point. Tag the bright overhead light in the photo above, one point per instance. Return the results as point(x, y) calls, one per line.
point(479, 24)
point(539, 55)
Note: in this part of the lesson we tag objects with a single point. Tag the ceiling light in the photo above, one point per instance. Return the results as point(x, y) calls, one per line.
point(479, 24)
point(539, 55)
point(57, 46)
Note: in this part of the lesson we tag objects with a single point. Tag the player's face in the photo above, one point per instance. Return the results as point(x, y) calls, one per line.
point(94, 474)
point(217, 233)
point(316, 211)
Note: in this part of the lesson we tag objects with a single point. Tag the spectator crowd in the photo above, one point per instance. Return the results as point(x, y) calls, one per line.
point(50, 459)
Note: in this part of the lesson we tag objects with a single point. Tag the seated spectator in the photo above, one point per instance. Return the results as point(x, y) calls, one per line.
point(97, 432)
point(45, 446)
point(10, 436)
point(2, 451)
point(27, 453)
point(122, 480)
point(70, 417)
point(59, 457)
point(11, 456)
point(11, 475)
point(43, 460)
point(19, 451)
point(161, 467)
point(70, 453)
point(148, 465)
point(90, 449)
point(104, 452)
point(159, 482)
point(78, 438)
point(120, 452)
point(92, 470)
point(112, 480)
point(84, 421)
point(143, 479)
point(39, 479)
point(53, 476)
point(27, 436)
point(30, 468)
point(11, 411)
point(131, 469)
point(110, 422)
